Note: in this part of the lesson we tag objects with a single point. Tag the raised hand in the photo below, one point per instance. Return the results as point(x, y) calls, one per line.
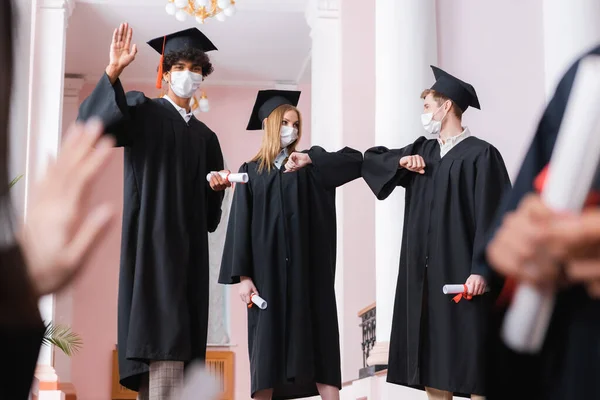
point(122, 53)
point(62, 226)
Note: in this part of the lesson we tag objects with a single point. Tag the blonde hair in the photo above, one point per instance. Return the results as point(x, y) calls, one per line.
point(271, 142)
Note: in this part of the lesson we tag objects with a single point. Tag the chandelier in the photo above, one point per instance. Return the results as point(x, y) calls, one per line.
point(201, 9)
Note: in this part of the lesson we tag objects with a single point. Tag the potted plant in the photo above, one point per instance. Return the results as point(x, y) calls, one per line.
point(58, 335)
point(63, 338)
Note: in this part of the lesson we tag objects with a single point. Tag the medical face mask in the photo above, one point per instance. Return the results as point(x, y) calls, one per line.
point(288, 135)
point(185, 83)
point(431, 125)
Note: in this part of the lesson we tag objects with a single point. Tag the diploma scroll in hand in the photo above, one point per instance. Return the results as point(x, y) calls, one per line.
point(571, 172)
point(233, 178)
point(259, 301)
point(461, 291)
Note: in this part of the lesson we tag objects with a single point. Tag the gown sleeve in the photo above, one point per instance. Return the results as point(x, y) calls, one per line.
point(21, 327)
point(338, 168)
point(237, 253)
point(491, 183)
point(380, 168)
point(214, 200)
point(116, 110)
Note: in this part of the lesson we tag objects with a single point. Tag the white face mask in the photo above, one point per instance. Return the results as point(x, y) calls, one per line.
point(288, 135)
point(431, 125)
point(185, 83)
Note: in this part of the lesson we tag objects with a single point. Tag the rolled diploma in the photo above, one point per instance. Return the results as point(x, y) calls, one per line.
point(233, 178)
point(456, 289)
point(259, 301)
point(572, 168)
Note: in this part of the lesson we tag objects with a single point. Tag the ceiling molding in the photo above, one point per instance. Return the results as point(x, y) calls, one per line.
point(328, 5)
point(67, 5)
point(328, 9)
point(206, 84)
point(285, 86)
point(242, 5)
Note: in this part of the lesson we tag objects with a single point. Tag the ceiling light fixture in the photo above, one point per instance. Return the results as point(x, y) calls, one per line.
point(201, 9)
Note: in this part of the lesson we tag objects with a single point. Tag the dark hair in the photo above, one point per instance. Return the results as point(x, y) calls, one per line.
point(195, 56)
point(6, 66)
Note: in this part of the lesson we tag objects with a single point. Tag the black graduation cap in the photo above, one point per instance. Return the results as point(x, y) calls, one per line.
point(266, 102)
point(461, 93)
point(190, 38)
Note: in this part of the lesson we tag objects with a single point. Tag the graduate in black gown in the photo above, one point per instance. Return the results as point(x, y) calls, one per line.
point(568, 365)
point(168, 209)
point(453, 184)
point(281, 244)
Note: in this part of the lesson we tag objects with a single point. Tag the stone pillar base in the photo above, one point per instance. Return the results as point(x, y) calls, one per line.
point(45, 385)
point(379, 354)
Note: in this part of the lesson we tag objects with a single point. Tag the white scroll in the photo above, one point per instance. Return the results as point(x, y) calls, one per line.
point(233, 178)
point(571, 172)
point(456, 289)
point(259, 301)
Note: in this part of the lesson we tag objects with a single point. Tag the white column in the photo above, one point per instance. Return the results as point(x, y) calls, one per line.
point(19, 116)
point(45, 127)
point(63, 307)
point(323, 17)
point(570, 28)
point(405, 46)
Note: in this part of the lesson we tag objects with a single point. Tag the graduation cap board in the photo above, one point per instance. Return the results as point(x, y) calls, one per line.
point(461, 93)
point(266, 102)
point(190, 38)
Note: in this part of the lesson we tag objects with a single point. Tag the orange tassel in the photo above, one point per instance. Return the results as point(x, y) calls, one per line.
point(159, 76)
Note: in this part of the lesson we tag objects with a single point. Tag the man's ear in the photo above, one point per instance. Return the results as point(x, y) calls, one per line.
point(449, 104)
point(167, 75)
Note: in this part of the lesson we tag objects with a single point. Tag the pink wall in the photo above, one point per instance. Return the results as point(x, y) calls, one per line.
point(497, 46)
point(95, 293)
point(358, 94)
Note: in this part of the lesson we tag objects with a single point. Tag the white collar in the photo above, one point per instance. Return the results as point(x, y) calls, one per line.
point(182, 111)
point(452, 140)
point(283, 154)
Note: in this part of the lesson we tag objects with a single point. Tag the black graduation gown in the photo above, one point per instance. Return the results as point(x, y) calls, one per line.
point(282, 234)
point(21, 327)
point(434, 341)
point(168, 210)
point(568, 364)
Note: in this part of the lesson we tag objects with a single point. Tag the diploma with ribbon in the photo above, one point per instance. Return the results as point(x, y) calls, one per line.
point(259, 301)
point(233, 178)
point(461, 291)
point(570, 174)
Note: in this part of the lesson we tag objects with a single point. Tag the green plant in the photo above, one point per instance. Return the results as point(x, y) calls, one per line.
point(63, 338)
point(14, 181)
point(58, 335)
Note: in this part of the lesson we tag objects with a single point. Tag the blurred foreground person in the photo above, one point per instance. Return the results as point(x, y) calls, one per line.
point(55, 241)
point(533, 244)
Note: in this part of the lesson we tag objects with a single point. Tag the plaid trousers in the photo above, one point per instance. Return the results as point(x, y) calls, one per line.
point(164, 380)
